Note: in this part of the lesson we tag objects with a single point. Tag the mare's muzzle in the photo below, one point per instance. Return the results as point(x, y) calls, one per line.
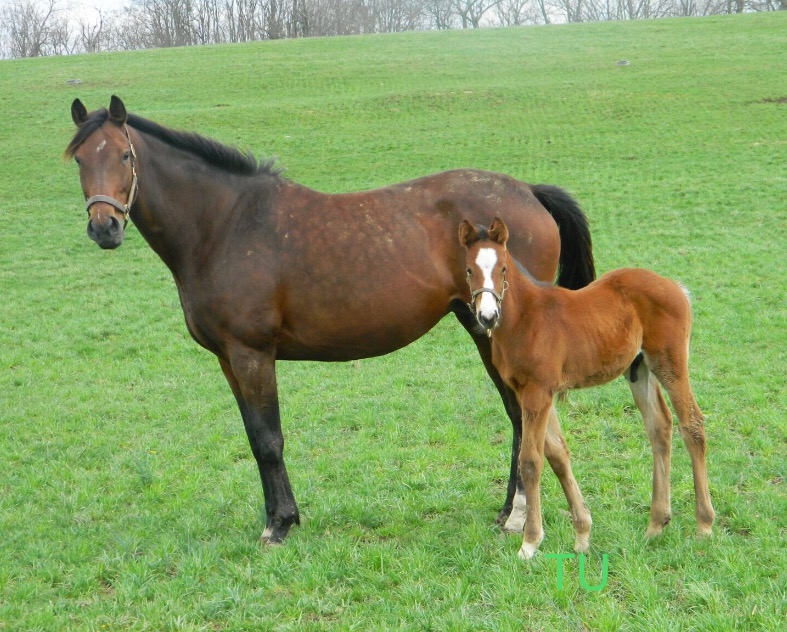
point(106, 230)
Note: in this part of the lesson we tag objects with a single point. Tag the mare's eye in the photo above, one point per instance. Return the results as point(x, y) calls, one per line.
point(126, 156)
point(76, 160)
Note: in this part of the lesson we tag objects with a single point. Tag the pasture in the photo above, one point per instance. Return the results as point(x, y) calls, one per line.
point(129, 498)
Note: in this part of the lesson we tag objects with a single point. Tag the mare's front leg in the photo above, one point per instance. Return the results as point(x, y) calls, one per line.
point(252, 377)
point(535, 404)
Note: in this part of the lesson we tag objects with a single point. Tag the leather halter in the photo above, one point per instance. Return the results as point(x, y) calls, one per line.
point(132, 194)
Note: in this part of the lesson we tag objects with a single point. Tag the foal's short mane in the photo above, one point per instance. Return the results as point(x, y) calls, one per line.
point(224, 157)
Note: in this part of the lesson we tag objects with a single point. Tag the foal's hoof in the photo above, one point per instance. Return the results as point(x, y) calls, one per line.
point(655, 528)
point(581, 545)
point(527, 551)
point(704, 532)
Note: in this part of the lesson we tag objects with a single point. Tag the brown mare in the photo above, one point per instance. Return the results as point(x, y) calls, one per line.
point(269, 270)
point(547, 339)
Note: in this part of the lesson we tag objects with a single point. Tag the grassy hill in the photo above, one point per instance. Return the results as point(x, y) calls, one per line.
point(129, 499)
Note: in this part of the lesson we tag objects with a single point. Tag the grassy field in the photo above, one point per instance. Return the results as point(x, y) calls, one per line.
point(129, 499)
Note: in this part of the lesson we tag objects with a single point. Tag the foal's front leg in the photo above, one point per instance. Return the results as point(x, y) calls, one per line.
point(535, 405)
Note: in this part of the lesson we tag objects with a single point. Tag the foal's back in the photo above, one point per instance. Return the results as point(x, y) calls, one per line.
point(602, 327)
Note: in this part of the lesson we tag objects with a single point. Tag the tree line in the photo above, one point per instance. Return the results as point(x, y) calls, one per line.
point(32, 28)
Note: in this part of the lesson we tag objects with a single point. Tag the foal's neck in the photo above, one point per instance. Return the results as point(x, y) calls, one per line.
point(522, 297)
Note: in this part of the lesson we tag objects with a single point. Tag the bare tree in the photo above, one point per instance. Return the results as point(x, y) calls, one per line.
point(29, 27)
point(470, 12)
point(93, 31)
point(519, 12)
point(441, 14)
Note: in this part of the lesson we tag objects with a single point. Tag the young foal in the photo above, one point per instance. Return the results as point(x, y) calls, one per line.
point(547, 339)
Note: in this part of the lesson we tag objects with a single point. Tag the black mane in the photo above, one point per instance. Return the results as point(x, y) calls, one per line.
point(214, 153)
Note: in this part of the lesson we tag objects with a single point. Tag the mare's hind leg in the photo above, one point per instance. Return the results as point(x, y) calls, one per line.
point(692, 428)
point(658, 425)
point(557, 454)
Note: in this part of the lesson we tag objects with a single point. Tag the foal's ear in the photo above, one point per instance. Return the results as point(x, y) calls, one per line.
point(78, 112)
point(467, 233)
point(498, 231)
point(117, 111)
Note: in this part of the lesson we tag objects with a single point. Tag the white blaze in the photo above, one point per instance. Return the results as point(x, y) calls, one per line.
point(486, 261)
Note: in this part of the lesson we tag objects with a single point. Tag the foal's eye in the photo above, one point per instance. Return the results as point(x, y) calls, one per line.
point(469, 272)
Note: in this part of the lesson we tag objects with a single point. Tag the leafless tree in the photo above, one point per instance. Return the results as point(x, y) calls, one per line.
point(519, 12)
point(93, 31)
point(470, 12)
point(30, 26)
point(394, 16)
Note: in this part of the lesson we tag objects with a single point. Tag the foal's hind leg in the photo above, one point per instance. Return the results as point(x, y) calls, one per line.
point(692, 428)
point(658, 425)
point(557, 454)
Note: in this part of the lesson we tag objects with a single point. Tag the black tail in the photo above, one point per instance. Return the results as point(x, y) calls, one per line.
point(576, 250)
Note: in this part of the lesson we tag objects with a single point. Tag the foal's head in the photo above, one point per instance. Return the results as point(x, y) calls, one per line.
point(102, 149)
point(486, 269)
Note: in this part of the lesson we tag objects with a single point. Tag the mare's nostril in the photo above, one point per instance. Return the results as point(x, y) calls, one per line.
point(114, 224)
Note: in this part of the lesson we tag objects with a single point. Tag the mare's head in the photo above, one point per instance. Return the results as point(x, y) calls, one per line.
point(102, 149)
point(486, 269)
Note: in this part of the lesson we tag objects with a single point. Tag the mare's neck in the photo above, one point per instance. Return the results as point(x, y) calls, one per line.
point(181, 203)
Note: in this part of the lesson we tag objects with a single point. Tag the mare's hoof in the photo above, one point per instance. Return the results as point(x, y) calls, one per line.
point(275, 534)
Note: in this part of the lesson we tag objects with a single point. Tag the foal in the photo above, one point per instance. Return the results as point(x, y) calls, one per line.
point(547, 339)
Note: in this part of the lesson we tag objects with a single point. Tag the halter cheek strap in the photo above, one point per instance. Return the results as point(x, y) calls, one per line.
point(132, 193)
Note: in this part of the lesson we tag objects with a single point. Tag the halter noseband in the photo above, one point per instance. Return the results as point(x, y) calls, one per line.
point(132, 194)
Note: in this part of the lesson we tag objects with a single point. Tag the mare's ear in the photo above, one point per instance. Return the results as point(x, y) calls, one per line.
point(78, 112)
point(467, 233)
point(117, 111)
point(498, 231)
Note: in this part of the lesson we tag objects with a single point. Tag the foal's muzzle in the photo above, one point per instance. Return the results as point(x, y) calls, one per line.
point(488, 320)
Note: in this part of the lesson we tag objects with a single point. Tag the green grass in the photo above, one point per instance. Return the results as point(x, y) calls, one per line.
point(129, 499)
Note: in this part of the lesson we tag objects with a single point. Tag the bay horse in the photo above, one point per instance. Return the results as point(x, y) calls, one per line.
point(547, 339)
point(269, 270)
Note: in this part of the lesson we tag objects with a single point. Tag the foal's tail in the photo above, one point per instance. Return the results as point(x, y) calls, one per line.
point(576, 251)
